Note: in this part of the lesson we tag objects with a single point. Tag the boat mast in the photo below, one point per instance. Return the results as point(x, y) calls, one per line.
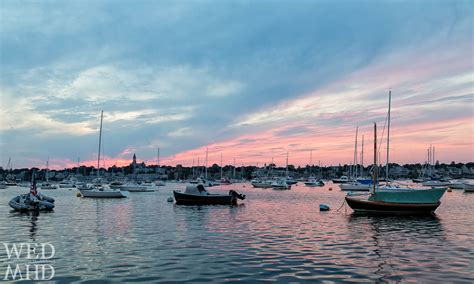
point(100, 141)
point(286, 172)
point(271, 168)
point(320, 170)
point(434, 161)
point(221, 166)
point(362, 158)
point(375, 169)
point(388, 135)
point(354, 171)
point(310, 161)
point(199, 171)
point(47, 169)
point(158, 157)
point(233, 174)
point(205, 171)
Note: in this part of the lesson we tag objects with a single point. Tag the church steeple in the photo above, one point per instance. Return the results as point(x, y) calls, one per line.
point(134, 159)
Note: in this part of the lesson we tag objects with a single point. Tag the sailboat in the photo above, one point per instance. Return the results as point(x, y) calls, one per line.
point(47, 184)
point(393, 199)
point(98, 191)
point(354, 184)
point(312, 181)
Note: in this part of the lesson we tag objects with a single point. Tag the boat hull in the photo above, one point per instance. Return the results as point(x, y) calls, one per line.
point(354, 187)
point(92, 193)
point(468, 187)
point(261, 185)
point(380, 207)
point(456, 185)
point(136, 188)
point(281, 187)
point(43, 204)
point(339, 180)
point(211, 199)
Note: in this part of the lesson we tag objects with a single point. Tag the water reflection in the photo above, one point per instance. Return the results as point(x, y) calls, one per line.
point(391, 237)
point(30, 219)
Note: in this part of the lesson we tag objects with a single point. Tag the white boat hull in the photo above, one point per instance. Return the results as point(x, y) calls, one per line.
point(435, 183)
point(48, 187)
point(136, 189)
point(106, 193)
point(468, 187)
point(354, 187)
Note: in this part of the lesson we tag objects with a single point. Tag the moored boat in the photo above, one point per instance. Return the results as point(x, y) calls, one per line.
point(261, 183)
point(32, 201)
point(359, 203)
point(198, 195)
point(47, 185)
point(435, 183)
point(342, 179)
point(133, 187)
point(280, 184)
point(468, 187)
point(314, 182)
point(115, 184)
point(97, 190)
point(10, 183)
point(354, 186)
point(394, 200)
point(456, 184)
point(103, 193)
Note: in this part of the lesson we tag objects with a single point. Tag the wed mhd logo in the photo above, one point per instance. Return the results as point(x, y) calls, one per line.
point(29, 261)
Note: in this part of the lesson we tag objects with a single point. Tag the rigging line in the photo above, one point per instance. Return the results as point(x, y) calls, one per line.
point(343, 203)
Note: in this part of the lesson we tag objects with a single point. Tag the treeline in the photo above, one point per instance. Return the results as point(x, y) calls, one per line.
point(246, 172)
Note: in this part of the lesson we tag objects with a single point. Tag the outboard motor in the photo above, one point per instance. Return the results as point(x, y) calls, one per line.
point(235, 194)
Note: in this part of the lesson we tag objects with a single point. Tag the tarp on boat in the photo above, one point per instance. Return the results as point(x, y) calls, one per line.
point(417, 196)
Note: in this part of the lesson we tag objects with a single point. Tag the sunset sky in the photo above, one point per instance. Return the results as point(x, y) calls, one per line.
point(250, 80)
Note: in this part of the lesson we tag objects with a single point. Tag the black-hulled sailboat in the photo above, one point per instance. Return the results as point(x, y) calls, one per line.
point(391, 199)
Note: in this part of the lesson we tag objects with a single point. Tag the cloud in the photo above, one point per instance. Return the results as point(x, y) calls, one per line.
point(183, 76)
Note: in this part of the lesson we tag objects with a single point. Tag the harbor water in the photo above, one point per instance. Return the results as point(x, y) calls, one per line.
point(272, 236)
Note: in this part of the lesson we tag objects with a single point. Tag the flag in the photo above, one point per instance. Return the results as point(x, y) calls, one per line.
point(33, 189)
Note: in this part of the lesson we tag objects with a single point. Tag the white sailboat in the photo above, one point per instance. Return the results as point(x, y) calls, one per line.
point(100, 191)
point(46, 184)
point(312, 181)
point(354, 185)
point(135, 187)
point(280, 184)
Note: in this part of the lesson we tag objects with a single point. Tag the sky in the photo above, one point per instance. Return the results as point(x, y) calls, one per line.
point(248, 80)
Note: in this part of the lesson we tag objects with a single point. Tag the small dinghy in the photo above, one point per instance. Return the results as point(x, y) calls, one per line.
point(324, 207)
point(198, 195)
point(32, 201)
